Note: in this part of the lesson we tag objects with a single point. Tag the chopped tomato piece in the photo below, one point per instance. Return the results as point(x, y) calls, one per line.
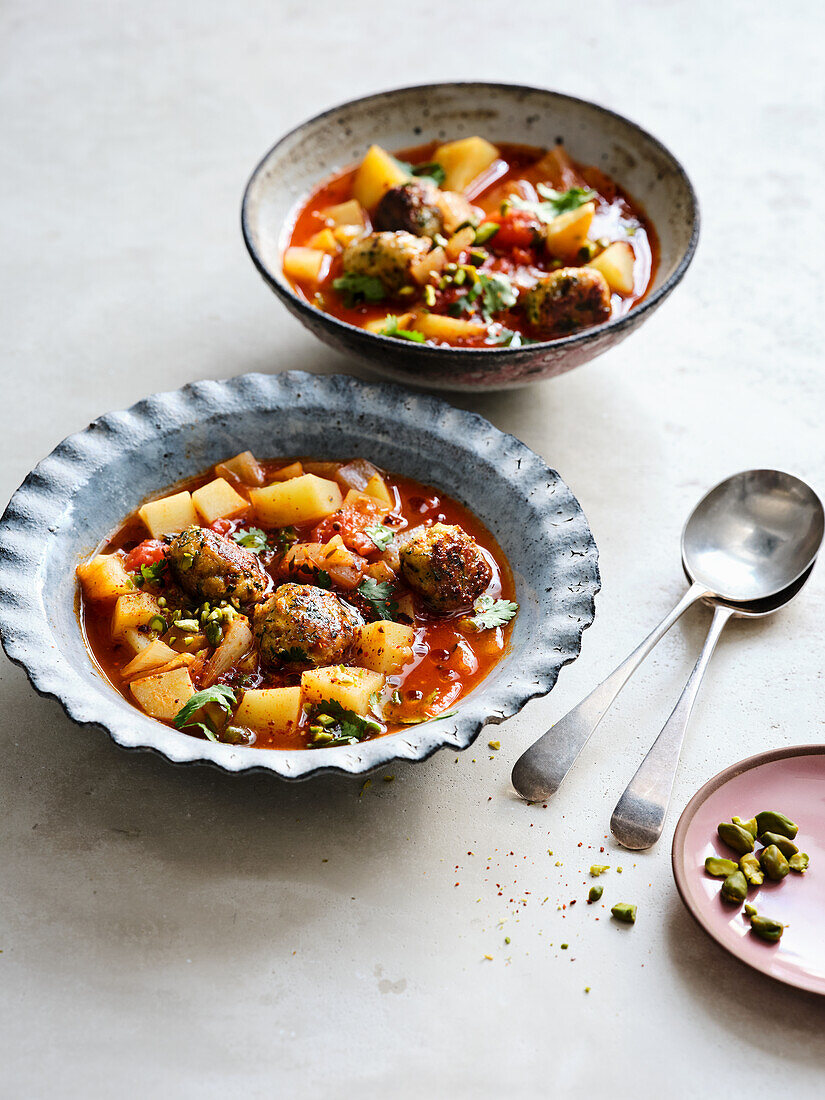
point(221, 526)
point(350, 523)
point(519, 229)
point(145, 553)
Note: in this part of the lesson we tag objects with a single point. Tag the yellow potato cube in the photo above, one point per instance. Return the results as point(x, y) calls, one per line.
point(346, 213)
point(434, 261)
point(376, 487)
point(344, 684)
point(169, 515)
point(305, 499)
point(218, 500)
point(135, 640)
point(567, 234)
point(325, 241)
point(384, 646)
point(133, 610)
point(436, 327)
point(153, 656)
point(244, 466)
point(460, 242)
point(270, 710)
point(377, 173)
point(464, 161)
point(163, 694)
point(104, 577)
point(346, 234)
point(307, 265)
point(616, 264)
point(295, 469)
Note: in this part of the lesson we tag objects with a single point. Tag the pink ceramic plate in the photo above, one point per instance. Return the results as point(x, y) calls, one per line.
point(793, 782)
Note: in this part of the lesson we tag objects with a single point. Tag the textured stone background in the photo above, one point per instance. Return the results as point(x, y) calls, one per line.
point(174, 933)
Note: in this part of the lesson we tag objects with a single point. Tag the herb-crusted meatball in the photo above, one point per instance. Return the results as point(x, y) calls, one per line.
point(412, 207)
point(214, 568)
point(446, 566)
point(386, 256)
point(301, 622)
point(570, 299)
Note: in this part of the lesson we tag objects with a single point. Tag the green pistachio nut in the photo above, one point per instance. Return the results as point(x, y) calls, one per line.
point(595, 892)
point(750, 911)
point(773, 863)
point(719, 867)
point(624, 912)
point(766, 928)
point(785, 846)
point(735, 888)
point(598, 869)
point(771, 821)
point(799, 862)
point(735, 837)
point(750, 825)
point(749, 866)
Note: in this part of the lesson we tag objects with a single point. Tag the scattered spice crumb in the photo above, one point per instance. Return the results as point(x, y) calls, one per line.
point(490, 957)
point(494, 744)
point(389, 778)
point(367, 783)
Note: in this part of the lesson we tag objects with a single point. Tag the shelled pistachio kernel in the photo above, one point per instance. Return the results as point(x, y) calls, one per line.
point(719, 867)
point(750, 824)
point(595, 892)
point(598, 869)
point(773, 863)
point(735, 888)
point(766, 928)
point(625, 912)
point(771, 821)
point(749, 866)
point(783, 843)
point(735, 837)
point(799, 862)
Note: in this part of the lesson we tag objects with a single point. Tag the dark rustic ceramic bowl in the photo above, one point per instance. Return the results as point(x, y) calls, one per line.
point(86, 486)
point(501, 112)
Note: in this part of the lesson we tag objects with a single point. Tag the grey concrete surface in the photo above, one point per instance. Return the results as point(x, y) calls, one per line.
point(174, 933)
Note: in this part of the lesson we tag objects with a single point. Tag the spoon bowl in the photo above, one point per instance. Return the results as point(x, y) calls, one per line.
point(753, 535)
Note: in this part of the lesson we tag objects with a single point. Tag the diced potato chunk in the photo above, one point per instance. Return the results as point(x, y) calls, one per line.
point(436, 327)
point(567, 234)
point(325, 241)
point(346, 234)
point(295, 469)
point(460, 242)
point(305, 499)
point(384, 646)
point(616, 264)
point(558, 169)
point(377, 173)
point(376, 487)
point(434, 261)
point(132, 610)
point(269, 710)
point(104, 577)
point(464, 160)
point(307, 265)
point(152, 656)
point(245, 467)
point(162, 695)
point(135, 640)
point(169, 515)
point(346, 213)
point(402, 320)
point(344, 684)
point(218, 500)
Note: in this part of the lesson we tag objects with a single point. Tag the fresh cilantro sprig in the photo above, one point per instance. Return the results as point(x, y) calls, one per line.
point(381, 535)
point(489, 294)
point(220, 694)
point(286, 536)
point(323, 579)
point(332, 724)
point(359, 288)
point(293, 655)
point(254, 539)
point(507, 338)
point(391, 328)
point(431, 170)
point(490, 613)
point(151, 574)
point(378, 594)
point(555, 202)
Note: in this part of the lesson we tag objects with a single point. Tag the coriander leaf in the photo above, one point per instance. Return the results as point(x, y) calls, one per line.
point(221, 694)
point(359, 288)
point(254, 539)
point(555, 202)
point(431, 170)
point(379, 595)
point(375, 704)
point(286, 536)
point(334, 725)
point(426, 718)
point(508, 338)
point(293, 655)
point(153, 574)
point(391, 329)
point(382, 536)
point(497, 292)
point(491, 613)
point(323, 579)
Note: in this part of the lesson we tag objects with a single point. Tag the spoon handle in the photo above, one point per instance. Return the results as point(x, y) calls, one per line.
point(539, 771)
point(639, 817)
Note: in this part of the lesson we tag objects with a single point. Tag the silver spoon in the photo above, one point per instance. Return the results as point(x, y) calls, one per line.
point(639, 817)
point(748, 539)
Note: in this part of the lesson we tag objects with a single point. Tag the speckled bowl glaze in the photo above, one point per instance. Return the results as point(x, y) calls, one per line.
point(86, 486)
point(406, 117)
